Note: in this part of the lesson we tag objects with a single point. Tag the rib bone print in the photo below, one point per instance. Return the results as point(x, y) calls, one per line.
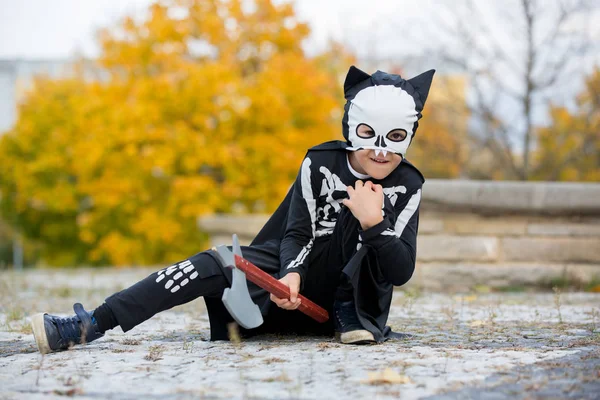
point(174, 273)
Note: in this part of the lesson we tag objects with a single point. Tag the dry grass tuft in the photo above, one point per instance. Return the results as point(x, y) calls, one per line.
point(279, 378)
point(273, 360)
point(155, 353)
point(130, 342)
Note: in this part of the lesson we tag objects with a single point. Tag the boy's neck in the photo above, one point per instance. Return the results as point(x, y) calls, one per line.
point(355, 167)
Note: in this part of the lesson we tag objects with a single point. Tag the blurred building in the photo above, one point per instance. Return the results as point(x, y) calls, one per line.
point(16, 76)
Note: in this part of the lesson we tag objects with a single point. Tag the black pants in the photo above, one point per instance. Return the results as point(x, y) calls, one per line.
point(202, 276)
point(180, 283)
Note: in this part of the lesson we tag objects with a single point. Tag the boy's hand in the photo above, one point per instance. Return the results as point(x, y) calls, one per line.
point(291, 280)
point(365, 202)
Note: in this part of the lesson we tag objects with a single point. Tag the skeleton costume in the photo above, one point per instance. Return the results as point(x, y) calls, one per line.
point(312, 233)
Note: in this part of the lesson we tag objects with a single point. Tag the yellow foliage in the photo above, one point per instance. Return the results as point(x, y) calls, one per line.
point(206, 106)
point(203, 107)
point(439, 145)
point(569, 149)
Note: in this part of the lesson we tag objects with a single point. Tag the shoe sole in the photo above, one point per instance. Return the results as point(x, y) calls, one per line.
point(361, 336)
point(39, 333)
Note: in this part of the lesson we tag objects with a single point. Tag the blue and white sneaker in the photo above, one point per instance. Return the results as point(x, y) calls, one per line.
point(54, 333)
point(348, 327)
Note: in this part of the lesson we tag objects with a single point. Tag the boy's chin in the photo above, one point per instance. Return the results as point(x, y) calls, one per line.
point(380, 173)
point(380, 170)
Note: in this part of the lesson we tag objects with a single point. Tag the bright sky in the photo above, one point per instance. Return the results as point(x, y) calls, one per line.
point(379, 29)
point(59, 28)
point(375, 30)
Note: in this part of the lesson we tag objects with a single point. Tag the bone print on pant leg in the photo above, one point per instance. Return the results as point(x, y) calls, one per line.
point(142, 300)
point(182, 269)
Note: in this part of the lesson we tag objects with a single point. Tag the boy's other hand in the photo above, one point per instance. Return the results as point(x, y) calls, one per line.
point(291, 280)
point(365, 203)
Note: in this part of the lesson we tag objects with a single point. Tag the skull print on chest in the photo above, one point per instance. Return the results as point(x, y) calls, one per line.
point(333, 191)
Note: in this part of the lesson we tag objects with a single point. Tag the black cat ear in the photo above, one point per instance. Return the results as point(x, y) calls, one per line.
point(353, 77)
point(422, 83)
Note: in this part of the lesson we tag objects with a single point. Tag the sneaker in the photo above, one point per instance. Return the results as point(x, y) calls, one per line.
point(54, 333)
point(348, 327)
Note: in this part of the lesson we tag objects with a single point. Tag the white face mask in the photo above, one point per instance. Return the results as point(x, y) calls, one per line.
point(383, 108)
point(387, 105)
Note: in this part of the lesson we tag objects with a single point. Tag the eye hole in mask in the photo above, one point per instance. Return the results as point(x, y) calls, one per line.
point(396, 135)
point(364, 131)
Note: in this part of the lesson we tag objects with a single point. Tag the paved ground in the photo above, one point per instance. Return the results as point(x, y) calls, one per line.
point(479, 346)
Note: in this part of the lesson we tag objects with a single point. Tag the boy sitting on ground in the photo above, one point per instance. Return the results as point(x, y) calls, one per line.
point(344, 235)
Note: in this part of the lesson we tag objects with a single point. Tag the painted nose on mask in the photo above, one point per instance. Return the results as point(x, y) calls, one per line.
point(380, 142)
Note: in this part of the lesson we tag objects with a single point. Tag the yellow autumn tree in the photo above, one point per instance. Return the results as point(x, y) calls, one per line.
point(439, 147)
point(204, 106)
point(569, 148)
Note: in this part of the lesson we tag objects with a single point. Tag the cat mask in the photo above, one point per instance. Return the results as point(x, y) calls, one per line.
point(384, 104)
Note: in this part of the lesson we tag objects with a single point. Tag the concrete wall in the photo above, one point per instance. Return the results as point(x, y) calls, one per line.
point(489, 233)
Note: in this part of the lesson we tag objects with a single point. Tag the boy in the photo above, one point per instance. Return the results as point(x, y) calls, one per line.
point(344, 235)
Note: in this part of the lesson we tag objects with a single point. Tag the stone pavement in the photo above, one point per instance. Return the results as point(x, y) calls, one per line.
point(465, 346)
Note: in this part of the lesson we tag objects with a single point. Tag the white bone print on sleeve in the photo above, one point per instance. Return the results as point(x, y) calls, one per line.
point(392, 193)
point(405, 215)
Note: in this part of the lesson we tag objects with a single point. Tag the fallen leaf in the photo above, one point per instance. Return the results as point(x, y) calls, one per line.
point(280, 378)
point(69, 392)
point(466, 299)
point(476, 323)
point(386, 376)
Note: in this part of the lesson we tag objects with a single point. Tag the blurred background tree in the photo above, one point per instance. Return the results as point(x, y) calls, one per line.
point(205, 106)
point(569, 149)
point(517, 56)
point(208, 106)
point(440, 149)
point(6, 245)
